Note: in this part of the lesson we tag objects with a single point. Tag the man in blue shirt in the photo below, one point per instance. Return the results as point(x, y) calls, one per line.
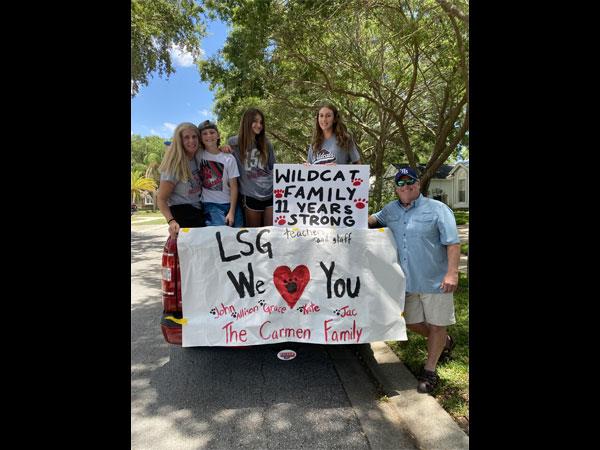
point(428, 251)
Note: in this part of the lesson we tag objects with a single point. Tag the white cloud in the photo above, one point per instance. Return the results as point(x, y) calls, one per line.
point(153, 132)
point(205, 113)
point(181, 57)
point(170, 126)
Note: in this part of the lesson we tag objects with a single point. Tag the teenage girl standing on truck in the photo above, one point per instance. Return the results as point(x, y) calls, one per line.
point(180, 189)
point(331, 142)
point(255, 157)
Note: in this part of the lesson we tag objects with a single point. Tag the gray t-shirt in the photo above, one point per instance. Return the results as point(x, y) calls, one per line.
point(189, 192)
point(255, 180)
point(331, 152)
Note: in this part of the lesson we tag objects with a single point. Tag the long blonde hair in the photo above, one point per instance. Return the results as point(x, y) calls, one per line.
point(339, 129)
point(246, 136)
point(175, 161)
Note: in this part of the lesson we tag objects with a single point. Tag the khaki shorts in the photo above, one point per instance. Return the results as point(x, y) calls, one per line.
point(435, 309)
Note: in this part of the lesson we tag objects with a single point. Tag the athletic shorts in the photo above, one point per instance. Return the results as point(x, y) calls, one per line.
point(256, 205)
point(435, 309)
point(188, 216)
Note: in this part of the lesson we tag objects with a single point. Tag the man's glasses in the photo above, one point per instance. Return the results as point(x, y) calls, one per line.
point(409, 182)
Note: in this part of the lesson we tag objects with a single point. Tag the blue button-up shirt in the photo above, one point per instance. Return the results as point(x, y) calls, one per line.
point(422, 232)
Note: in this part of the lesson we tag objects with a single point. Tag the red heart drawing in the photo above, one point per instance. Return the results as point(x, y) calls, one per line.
point(291, 284)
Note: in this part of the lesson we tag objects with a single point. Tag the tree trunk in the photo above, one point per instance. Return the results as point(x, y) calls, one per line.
point(379, 151)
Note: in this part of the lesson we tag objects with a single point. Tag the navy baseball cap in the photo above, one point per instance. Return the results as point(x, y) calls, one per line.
point(406, 172)
point(206, 125)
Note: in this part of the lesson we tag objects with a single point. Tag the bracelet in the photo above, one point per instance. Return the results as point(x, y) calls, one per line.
point(169, 221)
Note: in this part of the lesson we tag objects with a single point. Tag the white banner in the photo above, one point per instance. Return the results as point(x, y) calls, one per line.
point(320, 195)
point(252, 286)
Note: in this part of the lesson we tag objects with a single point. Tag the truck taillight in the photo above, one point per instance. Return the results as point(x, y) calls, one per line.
point(171, 291)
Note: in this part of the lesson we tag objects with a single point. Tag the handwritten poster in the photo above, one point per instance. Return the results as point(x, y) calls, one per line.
point(320, 195)
point(277, 284)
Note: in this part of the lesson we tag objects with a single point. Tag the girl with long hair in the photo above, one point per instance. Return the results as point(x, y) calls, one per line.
point(331, 142)
point(255, 158)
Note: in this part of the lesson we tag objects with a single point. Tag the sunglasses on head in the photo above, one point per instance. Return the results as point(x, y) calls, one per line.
point(409, 182)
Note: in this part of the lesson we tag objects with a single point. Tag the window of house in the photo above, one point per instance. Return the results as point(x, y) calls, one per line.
point(462, 194)
point(148, 200)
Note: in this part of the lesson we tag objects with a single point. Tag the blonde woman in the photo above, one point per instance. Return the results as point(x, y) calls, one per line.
point(180, 189)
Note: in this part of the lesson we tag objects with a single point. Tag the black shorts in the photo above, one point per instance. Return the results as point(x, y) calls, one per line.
point(188, 216)
point(256, 205)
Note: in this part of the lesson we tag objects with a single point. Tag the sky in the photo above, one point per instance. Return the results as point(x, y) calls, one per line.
point(159, 107)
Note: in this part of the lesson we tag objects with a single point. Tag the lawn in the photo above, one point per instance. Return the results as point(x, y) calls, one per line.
point(462, 217)
point(453, 389)
point(142, 218)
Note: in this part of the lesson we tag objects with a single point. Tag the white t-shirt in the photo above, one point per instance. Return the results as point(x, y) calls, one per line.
point(217, 170)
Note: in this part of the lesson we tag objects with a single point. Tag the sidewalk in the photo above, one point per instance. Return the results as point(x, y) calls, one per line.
point(422, 416)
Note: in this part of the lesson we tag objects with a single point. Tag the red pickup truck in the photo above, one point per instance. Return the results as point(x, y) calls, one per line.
point(171, 294)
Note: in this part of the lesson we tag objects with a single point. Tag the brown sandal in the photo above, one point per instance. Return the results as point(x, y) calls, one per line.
point(447, 352)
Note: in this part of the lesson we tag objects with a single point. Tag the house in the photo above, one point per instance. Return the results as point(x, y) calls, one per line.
point(147, 201)
point(450, 184)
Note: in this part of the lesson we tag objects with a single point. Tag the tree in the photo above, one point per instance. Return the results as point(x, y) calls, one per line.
point(396, 69)
point(140, 185)
point(147, 153)
point(157, 26)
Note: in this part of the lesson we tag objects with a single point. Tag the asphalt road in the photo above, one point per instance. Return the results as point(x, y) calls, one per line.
point(223, 398)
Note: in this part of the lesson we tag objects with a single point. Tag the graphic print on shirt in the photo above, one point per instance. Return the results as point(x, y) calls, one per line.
point(253, 165)
point(195, 182)
point(212, 175)
point(323, 156)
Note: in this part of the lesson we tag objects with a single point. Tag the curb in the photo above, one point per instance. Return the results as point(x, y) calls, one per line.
point(431, 426)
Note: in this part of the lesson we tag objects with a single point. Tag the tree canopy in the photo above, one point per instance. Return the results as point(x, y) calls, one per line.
point(398, 71)
point(157, 26)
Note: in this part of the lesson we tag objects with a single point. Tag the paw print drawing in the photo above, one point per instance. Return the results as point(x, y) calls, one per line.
point(357, 181)
point(213, 311)
point(234, 314)
point(278, 193)
point(261, 302)
point(280, 220)
point(360, 202)
point(301, 309)
point(337, 311)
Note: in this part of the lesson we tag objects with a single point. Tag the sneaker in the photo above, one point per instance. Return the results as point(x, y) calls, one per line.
point(427, 381)
point(447, 352)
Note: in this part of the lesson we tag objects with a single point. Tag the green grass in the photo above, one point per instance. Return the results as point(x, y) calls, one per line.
point(147, 213)
point(141, 218)
point(462, 217)
point(157, 221)
point(464, 248)
point(452, 391)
